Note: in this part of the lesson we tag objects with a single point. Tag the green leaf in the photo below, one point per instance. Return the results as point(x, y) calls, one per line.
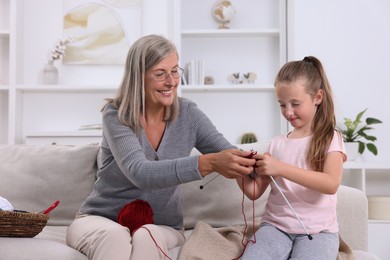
point(349, 124)
point(362, 146)
point(372, 148)
point(359, 116)
point(371, 121)
point(370, 138)
point(365, 128)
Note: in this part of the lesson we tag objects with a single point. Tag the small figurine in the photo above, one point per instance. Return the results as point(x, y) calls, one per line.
point(208, 80)
point(234, 78)
point(250, 78)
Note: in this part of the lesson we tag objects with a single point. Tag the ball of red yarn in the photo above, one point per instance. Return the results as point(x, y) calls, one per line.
point(135, 214)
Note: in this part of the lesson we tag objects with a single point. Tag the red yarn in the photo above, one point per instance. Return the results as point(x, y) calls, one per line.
point(246, 223)
point(135, 214)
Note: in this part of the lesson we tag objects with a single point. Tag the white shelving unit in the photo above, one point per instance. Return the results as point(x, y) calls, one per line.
point(5, 36)
point(4, 41)
point(255, 42)
point(64, 110)
point(373, 179)
point(357, 175)
point(29, 111)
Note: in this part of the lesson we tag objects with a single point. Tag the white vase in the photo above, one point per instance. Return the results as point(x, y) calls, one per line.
point(50, 74)
point(352, 150)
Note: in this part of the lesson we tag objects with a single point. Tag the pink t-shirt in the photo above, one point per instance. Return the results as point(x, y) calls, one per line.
point(317, 211)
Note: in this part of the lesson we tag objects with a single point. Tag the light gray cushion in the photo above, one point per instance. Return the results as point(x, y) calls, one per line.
point(35, 248)
point(33, 177)
point(219, 203)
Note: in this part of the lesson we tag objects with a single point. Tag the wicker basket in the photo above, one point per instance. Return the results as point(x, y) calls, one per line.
point(21, 224)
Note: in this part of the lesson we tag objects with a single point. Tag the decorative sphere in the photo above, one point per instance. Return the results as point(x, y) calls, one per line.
point(223, 12)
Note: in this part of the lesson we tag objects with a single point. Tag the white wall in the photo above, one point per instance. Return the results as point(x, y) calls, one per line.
point(352, 39)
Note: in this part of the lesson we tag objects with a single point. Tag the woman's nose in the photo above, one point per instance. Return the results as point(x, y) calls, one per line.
point(170, 79)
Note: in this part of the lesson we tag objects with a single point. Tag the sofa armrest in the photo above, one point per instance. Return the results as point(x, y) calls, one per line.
point(352, 215)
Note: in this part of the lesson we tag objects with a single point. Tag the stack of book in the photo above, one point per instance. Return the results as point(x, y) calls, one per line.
point(195, 73)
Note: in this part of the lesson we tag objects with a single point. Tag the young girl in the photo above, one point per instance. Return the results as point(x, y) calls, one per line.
point(306, 164)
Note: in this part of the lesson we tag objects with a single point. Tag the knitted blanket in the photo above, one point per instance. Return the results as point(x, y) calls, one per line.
point(208, 243)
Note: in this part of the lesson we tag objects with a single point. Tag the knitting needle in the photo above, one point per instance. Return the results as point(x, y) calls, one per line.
point(293, 211)
point(253, 152)
point(202, 186)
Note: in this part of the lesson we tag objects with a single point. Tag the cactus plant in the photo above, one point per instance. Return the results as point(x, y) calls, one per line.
point(248, 138)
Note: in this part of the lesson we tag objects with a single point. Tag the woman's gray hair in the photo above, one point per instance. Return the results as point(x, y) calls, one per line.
point(145, 53)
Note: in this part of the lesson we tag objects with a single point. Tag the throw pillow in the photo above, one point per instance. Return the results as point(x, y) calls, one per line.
point(34, 176)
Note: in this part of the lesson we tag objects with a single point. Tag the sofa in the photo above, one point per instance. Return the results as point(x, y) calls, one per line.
point(32, 177)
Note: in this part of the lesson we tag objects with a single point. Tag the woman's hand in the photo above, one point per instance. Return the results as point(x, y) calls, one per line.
point(229, 163)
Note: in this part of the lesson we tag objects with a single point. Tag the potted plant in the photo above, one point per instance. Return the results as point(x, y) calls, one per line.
point(353, 132)
point(248, 138)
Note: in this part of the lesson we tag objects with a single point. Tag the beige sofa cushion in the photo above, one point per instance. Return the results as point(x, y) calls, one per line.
point(219, 203)
point(33, 177)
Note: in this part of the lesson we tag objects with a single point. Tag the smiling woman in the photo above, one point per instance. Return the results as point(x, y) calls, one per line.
point(161, 83)
point(148, 135)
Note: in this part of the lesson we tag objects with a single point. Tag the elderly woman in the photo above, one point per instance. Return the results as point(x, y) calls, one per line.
point(148, 134)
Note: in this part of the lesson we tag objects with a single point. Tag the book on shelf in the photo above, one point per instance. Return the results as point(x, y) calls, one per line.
point(195, 72)
point(184, 79)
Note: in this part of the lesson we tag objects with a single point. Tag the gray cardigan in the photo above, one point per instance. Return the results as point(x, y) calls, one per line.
point(131, 169)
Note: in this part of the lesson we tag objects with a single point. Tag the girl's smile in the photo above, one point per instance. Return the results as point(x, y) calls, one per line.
point(297, 106)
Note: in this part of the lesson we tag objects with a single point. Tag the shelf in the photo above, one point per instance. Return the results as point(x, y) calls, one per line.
point(225, 88)
point(66, 88)
point(64, 138)
point(357, 174)
point(4, 34)
point(79, 133)
point(230, 33)
point(366, 165)
point(378, 221)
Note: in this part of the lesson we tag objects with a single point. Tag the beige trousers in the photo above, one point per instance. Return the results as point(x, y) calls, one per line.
point(100, 239)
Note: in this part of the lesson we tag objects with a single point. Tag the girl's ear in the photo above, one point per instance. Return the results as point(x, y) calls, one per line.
point(318, 97)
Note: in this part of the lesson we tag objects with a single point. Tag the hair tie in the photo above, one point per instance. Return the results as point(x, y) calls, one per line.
point(306, 59)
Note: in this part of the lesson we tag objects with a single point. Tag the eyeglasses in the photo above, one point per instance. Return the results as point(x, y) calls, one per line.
point(162, 75)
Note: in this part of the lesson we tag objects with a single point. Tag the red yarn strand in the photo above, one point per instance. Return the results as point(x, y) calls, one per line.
point(135, 215)
point(245, 221)
point(155, 242)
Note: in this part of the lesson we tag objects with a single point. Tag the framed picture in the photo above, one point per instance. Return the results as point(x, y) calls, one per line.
point(101, 31)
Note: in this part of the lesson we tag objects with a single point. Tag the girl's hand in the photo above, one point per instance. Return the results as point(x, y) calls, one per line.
point(267, 165)
point(254, 186)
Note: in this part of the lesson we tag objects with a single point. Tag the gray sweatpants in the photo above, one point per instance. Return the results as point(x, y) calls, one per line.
point(272, 243)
